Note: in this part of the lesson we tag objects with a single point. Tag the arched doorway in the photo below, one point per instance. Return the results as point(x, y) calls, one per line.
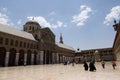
point(2, 56)
point(35, 57)
point(28, 57)
point(21, 57)
point(47, 57)
point(12, 57)
point(50, 57)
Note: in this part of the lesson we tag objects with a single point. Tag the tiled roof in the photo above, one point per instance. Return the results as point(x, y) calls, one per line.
point(64, 46)
point(16, 32)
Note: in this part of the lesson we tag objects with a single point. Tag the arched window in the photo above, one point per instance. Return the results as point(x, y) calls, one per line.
point(6, 41)
point(20, 43)
point(29, 27)
point(11, 42)
point(33, 28)
point(31, 46)
point(16, 43)
point(24, 45)
point(28, 45)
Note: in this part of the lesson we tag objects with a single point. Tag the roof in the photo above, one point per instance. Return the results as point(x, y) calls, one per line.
point(64, 46)
point(16, 32)
point(32, 21)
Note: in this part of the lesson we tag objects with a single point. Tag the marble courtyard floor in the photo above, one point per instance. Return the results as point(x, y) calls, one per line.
point(59, 72)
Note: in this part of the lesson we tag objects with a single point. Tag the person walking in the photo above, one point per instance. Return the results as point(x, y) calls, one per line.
point(113, 64)
point(103, 64)
point(85, 66)
point(73, 62)
point(92, 66)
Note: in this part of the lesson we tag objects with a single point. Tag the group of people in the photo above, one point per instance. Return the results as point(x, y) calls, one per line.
point(113, 64)
point(92, 67)
point(68, 62)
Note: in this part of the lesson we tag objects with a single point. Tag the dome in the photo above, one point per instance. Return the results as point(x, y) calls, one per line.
point(33, 22)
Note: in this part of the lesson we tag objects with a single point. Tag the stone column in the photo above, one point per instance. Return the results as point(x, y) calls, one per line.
point(25, 58)
point(53, 58)
point(41, 57)
point(66, 59)
point(45, 53)
point(7, 58)
point(32, 58)
point(57, 56)
point(49, 54)
point(61, 59)
point(38, 57)
point(50, 57)
point(17, 59)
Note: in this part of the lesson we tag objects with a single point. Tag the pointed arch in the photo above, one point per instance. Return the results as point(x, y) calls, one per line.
point(12, 57)
point(21, 57)
point(29, 57)
point(35, 57)
point(2, 56)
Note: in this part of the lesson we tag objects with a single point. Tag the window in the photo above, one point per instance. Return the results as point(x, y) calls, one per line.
point(29, 27)
point(37, 46)
point(11, 42)
point(24, 45)
point(34, 46)
point(33, 28)
point(28, 45)
point(31, 45)
point(1, 40)
point(20, 43)
point(6, 41)
point(16, 43)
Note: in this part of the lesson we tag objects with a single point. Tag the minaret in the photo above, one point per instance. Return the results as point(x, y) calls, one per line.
point(61, 39)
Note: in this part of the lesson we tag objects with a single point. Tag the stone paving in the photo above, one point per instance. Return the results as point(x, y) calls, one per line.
point(60, 72)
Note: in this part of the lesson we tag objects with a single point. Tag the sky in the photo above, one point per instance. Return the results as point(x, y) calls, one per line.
point(84, 24)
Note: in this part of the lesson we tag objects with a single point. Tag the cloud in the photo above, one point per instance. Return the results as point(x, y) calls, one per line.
point(43, 22)
point(58, 24)
point(81, 18)
point(19, 21)
point(114, 13)
point(4, 18)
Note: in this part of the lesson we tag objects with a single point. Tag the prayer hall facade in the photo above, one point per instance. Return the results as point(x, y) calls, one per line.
point(31, 46)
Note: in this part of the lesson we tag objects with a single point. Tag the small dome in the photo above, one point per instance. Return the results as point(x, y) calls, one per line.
point(33, 22)
point(31, 25)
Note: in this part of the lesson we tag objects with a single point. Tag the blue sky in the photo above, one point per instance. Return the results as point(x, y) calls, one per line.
point(84, 24)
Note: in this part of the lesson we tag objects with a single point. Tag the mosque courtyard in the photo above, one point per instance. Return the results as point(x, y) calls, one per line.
point(60, 72)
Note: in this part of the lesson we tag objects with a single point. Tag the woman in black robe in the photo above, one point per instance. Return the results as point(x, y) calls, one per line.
point(92, 66)
point(85, 66)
